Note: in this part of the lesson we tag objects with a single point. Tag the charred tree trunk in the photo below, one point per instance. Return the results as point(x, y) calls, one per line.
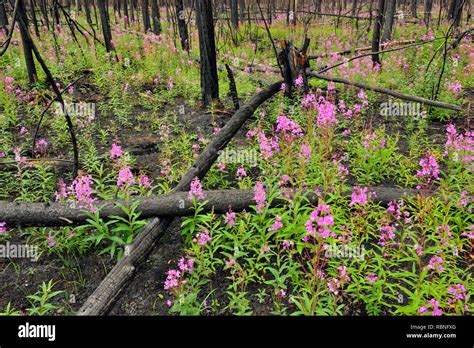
point(145, 15)
point(207, 50)
point(125, 12)
point(104, 19)
point(455, 11)
point(234, 10)
point(3, 16)
point(27, 45)
point(428, 8)
point(182, 28)
point(44, 13)
point(155, 14)
point(413, 5)
point(33, 17)
point(389, 19)
point(377, 31)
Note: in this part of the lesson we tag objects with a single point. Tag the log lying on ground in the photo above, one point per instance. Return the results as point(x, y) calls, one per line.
point(387, 92)
point(102, 299)
point(167, 205)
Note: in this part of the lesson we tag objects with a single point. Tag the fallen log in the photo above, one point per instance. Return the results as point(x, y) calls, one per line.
point(167, 205)
point(102, 299)
point(387, 92)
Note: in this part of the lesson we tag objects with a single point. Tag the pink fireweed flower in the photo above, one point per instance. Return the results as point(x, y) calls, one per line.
point(436, 311)
point(195, 190)
point(221, 166)
point(343, 276)
point(436, 263)
point(144, 181)
point(23, 131)
point(260, 197)
point(173, 279)
point(454, 87)
point(359, 196)
point(81, 188)
point(299, 82)
point(429, 169)
point(116, 151)
point(41, 146)
point(323, 218)
point(186, 265)
point(202, 238)
point(51, 241)
point(387, 234)
point(459, 292)
point(276, 225)
point(241, 173)
point(287, 244)
point(372, 278)
point(326, 114)
point(3, 227)
point(305, 152)
point(288, 126)
point(230, 263)
point(230, 218)
point(334, 285)
point(267, 146)
point(62, 190)
point(422, 309)
point(125, 178)
point(264, 250)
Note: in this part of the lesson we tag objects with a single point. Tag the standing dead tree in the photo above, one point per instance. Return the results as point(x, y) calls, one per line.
point(207, 51)
point(377, 30)
point(182, 27)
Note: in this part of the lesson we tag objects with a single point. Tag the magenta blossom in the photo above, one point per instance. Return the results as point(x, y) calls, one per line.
point(125, 178)
point(195, 190)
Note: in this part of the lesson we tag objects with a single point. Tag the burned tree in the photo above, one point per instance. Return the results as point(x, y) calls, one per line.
point(155, 14)
point(183, 30)
point(146, 16)
point(26, 42)
point(207, 50)
point(377, 31)
point(3, 16)
point(234, 11)
point(104, 18)
point(389, 19)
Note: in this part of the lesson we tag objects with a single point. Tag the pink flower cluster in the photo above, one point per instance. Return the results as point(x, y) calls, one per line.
point(435, 304)
point(387, 234)
point(454, 87)
point(460, 145)
point(3, 227)
point(41, 146)
point(81, 189)
point(125, 178)
point(267, 145)
point(336, 283)
point(260, 197)
point(359, 196)
point(429, 169)
point(288, 126)
point(230, 218)
point(195, 190)
point(436, 263)
point(276, 225)
point(323, 218)
point(202, 238)
point(326, 114)
point(174, 277)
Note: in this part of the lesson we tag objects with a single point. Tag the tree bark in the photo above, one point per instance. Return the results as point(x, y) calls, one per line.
point(104, 19)
point(182, 28)
point(389, 19)
point(3, 16)
point(155, 14)
point(27, 46)
point(207, 50)
point(168, 205)
point(377, 31)
point(146, 16)
point(234, 10)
